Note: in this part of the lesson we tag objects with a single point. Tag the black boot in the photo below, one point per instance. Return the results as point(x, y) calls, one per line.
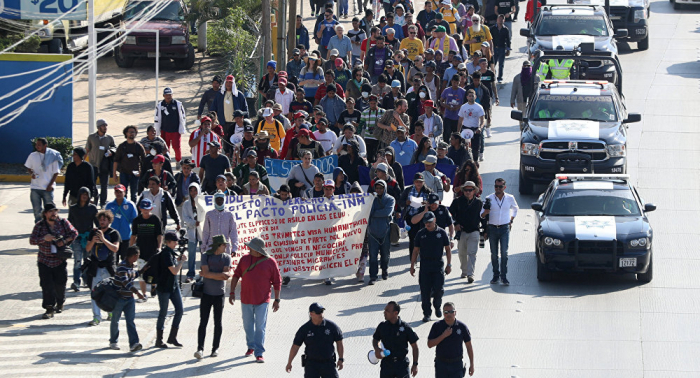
point(172, 339)
point(159, 339)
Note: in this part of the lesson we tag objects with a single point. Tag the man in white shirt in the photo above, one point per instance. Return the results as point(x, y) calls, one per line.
point(44, 164)
point(284, 96)
point(471, 116)
point(324, 136)
point(500, 208)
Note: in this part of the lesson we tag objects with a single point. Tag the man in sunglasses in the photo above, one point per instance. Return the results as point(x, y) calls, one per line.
point(448, 335)
point(466, 211)
point(501, 211)
point(429, 243)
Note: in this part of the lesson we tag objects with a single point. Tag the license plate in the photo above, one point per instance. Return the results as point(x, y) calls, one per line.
point(616, 17)
point(151, 54)
point(641, 31)
point(628, 262)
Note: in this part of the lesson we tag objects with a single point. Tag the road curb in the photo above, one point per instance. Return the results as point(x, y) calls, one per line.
point(26, 178)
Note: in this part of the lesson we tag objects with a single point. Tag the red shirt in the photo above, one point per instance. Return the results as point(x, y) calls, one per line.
point(363, 45)
point(255, 285)
point(321, 91)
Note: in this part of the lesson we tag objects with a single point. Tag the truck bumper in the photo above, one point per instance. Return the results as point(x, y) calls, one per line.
point(543, 171)
point(564, 260)
point(167, 52)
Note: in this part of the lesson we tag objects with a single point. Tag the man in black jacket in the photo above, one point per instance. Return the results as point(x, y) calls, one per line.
point(374, 60)
point(82, 217)
point(209, 96)
point(79, 174)
point(466, 209)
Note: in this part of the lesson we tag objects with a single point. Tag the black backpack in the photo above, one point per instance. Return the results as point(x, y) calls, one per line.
point(151, 271)
point(105, 294)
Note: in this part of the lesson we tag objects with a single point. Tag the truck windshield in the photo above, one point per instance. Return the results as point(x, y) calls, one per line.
point(593, 202)
point(592, 108)
point(171, 12)
point(572, 24)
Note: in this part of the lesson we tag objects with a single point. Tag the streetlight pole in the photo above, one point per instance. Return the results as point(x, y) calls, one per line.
point(92, 70)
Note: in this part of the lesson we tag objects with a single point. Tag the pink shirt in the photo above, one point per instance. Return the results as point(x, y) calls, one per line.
point(255, 285)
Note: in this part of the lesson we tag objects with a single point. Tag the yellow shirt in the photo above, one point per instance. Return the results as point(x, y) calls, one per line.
point(449, 16)
point(414, 47)
point(276, 131)
point(484, 34)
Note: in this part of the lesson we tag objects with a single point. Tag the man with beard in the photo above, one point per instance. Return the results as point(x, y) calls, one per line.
point(100, 149)
point(477, 34)
point(127, 160)
point(102, 246)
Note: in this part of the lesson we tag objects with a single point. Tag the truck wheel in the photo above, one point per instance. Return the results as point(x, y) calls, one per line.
point(525, 186)
point(649, 275)
point(643, 44)
point(543, 274)
point(121, 60)
point(55, 46)
point(186, 63)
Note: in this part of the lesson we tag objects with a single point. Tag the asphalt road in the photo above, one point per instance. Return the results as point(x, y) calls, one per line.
point(580, 326)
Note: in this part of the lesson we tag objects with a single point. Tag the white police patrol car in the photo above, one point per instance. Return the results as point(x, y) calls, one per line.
point(593, 223)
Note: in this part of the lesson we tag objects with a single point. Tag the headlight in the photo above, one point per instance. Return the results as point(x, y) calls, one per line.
point(640, 14)
point(130, 40)
point(616, 150)
point(178, 40)
point(42, 33)
point(553, 242)
point(529, 149)
point(639, 243)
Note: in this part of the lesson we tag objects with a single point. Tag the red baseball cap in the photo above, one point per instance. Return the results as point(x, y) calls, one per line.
point(429, 104)
point(282, 81)
point(205, 119)
point(338, 62)
point(282, 74)
point(229, 78)
point(120, 188)
point(304, 132)
point(158, 159)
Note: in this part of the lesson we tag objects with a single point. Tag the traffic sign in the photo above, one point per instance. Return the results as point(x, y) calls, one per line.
point(43, 9)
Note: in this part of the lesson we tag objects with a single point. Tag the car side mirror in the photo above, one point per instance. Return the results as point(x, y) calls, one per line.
point(525, 32)
point(649, 207)
point(633, 117)
point(516, 115)
point(536, 206)
point(621, 33)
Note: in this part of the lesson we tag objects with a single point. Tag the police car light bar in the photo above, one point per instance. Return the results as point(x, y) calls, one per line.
point(549, 83)
point(591, 176)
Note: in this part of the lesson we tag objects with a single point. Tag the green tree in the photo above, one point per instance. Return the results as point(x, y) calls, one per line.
point(228, 38)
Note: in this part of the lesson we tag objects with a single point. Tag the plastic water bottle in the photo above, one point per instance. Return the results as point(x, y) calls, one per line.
point(386, 353)
point(408, 228)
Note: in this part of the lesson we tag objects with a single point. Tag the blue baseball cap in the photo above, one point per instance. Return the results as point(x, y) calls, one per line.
point(146, 204)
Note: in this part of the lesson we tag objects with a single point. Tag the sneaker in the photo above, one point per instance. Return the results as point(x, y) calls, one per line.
point(249, 352)
point(404, 233)
point(360, 278)
point(328, 281)
point(139, 300)
point(385, 275)
point(285, 281)
point(114, 346)
point(500, 81)
point(494, 280)
point(109, 316)
point(426, 319)
point(215, 353)
point(94, 322)
point(48, 314)
point(199, 354)
point(59, 309)
point(259, 359)
point(74, 287)
point(394, 244)
point(470, 279)
point(481, 157)
point(438, 313)
point(136, 347)
point(515, 19)
point(488, 132)
point(372, 281)
point(505, 281)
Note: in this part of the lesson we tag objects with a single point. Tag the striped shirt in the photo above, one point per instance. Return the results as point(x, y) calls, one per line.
point(124, 279)
point(368, 121)
point(201, 148)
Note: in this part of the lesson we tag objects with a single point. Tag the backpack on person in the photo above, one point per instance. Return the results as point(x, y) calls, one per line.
point(105, 294)
point(151, 271)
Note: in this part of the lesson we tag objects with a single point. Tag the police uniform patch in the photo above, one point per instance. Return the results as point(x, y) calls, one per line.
point(401, 329)
point(439, 235)
point(459, 331)
point(328, 331)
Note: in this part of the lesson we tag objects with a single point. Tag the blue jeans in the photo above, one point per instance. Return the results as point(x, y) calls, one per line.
point(254, 323)
point(174, 296)
point(128, 306)
point(343, 7)
point(78, 255)
point(499, 56)
point(191, 258)
point(102, 273)
point(499, 235)
point(131, 182)
point(375, 250)
point(37, 196)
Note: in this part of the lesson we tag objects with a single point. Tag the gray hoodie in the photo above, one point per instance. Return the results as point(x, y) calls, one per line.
point(380, 215)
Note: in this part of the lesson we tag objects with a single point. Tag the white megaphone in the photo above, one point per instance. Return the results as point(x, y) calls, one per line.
point(372, 357)
point(236, 139)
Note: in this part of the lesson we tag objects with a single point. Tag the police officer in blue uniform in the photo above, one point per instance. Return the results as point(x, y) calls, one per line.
point(395, 335)
point(319, 334)
point(430, 242)
point(448, 335)
point(443, 218)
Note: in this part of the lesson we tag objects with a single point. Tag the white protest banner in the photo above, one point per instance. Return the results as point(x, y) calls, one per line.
point(310, 238)
point(278, 170)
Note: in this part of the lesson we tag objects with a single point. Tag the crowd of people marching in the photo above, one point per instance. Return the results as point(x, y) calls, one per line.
point(412, 87)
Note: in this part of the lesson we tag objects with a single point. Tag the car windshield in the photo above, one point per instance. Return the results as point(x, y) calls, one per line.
point(171, 12)
point(592, 108)
point(572, 24)
point(579, 202)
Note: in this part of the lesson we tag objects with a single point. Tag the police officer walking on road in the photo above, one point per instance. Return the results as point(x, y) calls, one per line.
point(500, 208)
point(448, 335)
point(319, 357)
point(395, 335)
point(430, 241)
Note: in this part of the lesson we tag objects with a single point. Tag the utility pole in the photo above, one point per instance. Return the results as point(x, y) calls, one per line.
point(292, 24)
point(266, 31)
point(281, 34)
point(92, 68)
